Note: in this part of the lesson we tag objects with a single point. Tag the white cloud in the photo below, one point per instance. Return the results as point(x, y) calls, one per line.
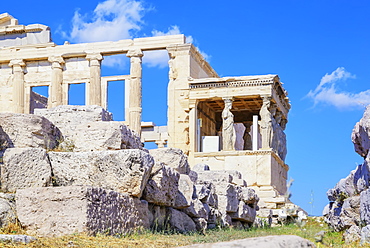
point(111, 20)
point(114, 20)
point(328, 92)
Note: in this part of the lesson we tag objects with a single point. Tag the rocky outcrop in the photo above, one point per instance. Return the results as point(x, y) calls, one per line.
point(349, 201)
point(58, 211)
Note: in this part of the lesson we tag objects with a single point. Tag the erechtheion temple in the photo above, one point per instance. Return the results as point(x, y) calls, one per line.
point(232, 123)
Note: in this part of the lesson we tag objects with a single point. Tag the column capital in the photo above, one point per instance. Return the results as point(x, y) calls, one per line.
point(94, 56)
point(134, 52)
point(17, 62)
point(56, 61)
point(229, 98)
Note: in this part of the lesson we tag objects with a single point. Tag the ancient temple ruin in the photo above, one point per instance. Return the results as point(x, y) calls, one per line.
point(229, 123)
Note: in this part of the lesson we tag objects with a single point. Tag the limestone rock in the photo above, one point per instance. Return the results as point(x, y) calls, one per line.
point(200, 224)
point(365, 206)
point(172, 157)
point(103, 135)
point(200, 167)
point(157, 217)
point(24, 168)
point(248, 196)
point(286, 241)
point(7, 209)
point(244, 213)
point(185, 192)
point(361, 134)
point(65, 210)
point(162, 186)
point(124, 171)
point(352, 234)
point(214, 177)
point(227, 197)
point(180, 221)
point(27, 130)
point(196, 210)
point(65, 115)
point(16, 238)
point(365, 235)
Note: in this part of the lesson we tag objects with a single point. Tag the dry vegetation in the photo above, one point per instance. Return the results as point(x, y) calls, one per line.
point(158, 239)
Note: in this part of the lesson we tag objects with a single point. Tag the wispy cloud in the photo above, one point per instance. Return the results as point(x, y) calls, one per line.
point(114, 20)
point(329, 92)
point(110, 21)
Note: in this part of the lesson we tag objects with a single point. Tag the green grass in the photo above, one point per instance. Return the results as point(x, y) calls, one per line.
point(161, 239)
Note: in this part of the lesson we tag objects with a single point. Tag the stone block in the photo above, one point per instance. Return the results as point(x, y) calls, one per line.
point(172, 157)
point(227, 197)
point(196, 210)
point(185, 192)
point(365, 206)
point(214, 177)
point(244, 213)
point(162, 186)
point(103, 135)
point(124, 171)
point(180, 222)
point(56, 211)
point(7, 209)
point(24, 168)
point(27, 130)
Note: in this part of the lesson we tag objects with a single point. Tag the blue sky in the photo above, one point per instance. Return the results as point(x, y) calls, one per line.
point(320, 50)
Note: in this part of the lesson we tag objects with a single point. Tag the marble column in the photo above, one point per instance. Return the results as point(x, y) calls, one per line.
point(56, 89)
point(135, 109)
point(228, 130)
point(95, 79)
point(266, 122)
point(18, 85)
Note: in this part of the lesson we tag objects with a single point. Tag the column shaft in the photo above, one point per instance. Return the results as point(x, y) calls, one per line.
point(135, 109)
point(56, 88)
point(95, 79)
point(18, 85)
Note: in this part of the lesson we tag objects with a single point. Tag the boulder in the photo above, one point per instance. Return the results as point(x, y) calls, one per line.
point(124, 171)
point(56, 211)
point(27, 130)
point(103, 135)
point(361, 134)
point(185, 192)
point(162, 186)
point(244, 213)
point(248, 196)
point(196, 210)
point(227, 197)
point(180, 222)
point(24, 168)
point(172, 157)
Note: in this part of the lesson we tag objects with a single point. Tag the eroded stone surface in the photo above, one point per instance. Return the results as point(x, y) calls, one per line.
point(59, 211)
point(27, 130)
point(125, 171)
point(172, 157)
point(24, 168)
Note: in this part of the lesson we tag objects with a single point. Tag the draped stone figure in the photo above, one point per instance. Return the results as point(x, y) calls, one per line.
point(247, 137)
point(228, 130)
point(266, 123)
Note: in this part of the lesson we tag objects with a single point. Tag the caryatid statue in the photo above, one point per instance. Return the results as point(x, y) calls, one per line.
point(266, 123)
point(228, 130)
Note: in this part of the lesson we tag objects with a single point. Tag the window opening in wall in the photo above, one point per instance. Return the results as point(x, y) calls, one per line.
point(116, 99)
point(150, 145)
point(76, 94)
point(38, 97)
